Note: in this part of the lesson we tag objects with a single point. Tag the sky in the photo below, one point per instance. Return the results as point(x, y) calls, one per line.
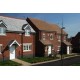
point(71, 21)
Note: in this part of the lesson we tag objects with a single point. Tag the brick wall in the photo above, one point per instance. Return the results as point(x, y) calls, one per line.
point(4, 40)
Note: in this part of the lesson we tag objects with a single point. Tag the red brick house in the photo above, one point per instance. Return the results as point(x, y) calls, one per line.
point(76, 43)
point(17, 38)
point(48, 38)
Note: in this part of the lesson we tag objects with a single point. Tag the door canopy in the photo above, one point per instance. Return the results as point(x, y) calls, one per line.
point(13, 42)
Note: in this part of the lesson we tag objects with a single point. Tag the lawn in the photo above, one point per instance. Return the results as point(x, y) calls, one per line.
point(76, 64)
point(68, 55)
point(9, 63)
point(37, 59)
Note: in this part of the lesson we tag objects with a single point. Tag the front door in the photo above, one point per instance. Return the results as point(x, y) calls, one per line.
point(49, 50)
point(12, 52)
point(68, 50)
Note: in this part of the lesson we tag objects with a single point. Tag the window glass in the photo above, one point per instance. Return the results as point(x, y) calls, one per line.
point(43, 36)
point(59, 38)
point(2, 31)
point(51, 36)
point(27, 32)
point(26, 47)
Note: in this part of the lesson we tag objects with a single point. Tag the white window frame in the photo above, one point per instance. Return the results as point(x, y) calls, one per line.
point(27, 32)
point(59, 48)
point(27, 45)
point(52, 37)
point(2, 31)
point(43, 36)
point(43, 33)
point(0, 48)
point(59, 38)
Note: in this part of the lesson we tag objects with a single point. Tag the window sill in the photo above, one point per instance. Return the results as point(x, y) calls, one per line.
point(2, 34)
point(26, 50)
point(58, 50)
point(28, 35)
point(59, 40)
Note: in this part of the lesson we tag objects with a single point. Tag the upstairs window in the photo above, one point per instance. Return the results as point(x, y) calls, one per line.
point(43, 36)
point(2, 31)
point(59, 38)
point(27, 32)
point(51, 36)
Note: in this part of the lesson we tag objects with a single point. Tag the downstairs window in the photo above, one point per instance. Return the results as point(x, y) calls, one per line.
point(27, 47)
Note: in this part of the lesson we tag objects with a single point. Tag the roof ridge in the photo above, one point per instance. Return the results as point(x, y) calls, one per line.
point(43, 25)
point(13, 17)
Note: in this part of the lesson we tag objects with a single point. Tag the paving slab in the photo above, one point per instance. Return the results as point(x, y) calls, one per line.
point(21, 62)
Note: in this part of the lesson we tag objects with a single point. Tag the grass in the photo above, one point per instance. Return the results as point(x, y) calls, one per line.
point(9, 63)
point(42, 59)
point(76, 64)
point(37, 59)
point(68, 55)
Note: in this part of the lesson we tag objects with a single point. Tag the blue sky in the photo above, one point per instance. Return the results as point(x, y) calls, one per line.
point(71, 20)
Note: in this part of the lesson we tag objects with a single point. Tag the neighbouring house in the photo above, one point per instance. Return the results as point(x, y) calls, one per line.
point(17, 38)
point(48, 38)
point(75, 41)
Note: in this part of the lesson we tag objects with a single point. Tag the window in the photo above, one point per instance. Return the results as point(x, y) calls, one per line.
point(2, 31)
point(59, 38)
point(43, 36)
point(0, 48)
point(27, 32)
point(58, 48)
point(51, 36)
point(27, 47)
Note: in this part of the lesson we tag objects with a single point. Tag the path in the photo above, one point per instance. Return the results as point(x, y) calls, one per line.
point(21, 62)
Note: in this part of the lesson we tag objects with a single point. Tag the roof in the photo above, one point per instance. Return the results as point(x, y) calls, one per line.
point(45, 42)
point(42, 25)
point(67, 43)
point(14, 24)
point(13, 42)
point(78, 34)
